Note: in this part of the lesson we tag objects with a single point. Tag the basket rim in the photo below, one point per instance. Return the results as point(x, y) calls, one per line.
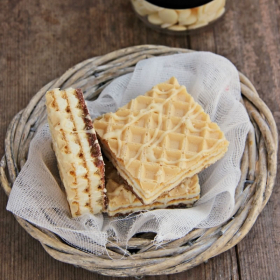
point(148, 260)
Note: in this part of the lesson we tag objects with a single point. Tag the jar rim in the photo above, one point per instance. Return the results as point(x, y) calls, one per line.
point(179, 4)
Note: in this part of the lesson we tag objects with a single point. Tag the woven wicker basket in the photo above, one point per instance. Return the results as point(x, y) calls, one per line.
point(258, 167)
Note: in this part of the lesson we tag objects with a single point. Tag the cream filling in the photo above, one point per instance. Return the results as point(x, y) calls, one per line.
point(157, 205)
point(92, 174)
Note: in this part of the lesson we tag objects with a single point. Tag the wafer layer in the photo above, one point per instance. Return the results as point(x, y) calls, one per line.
point(77, 150)
point(159, 139)
point(122, 201)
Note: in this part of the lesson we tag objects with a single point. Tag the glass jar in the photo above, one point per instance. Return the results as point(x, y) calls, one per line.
point(179, 17)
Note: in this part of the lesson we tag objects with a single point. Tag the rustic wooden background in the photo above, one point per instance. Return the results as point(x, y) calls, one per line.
point(39, 40)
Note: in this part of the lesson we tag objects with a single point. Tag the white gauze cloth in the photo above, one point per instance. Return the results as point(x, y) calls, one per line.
point(213, 81)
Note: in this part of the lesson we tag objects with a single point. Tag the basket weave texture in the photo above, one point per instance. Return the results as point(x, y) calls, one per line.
point(140, 256)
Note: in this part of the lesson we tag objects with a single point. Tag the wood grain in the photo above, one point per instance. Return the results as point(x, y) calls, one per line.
point(39, 40)
point(262, 67)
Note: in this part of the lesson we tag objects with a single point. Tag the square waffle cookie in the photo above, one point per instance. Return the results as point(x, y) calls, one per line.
point(78, 154)
point(122, 201)
point(159, 139)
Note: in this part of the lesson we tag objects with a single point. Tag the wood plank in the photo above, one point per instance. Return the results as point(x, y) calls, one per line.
point(40, 40)
point(253, 47)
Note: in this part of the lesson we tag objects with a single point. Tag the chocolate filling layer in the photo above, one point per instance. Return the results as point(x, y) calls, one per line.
point(92, 139)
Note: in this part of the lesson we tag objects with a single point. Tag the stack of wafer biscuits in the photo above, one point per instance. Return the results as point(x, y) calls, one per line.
point(121, 200)
point(158, 140)
point(156, 145)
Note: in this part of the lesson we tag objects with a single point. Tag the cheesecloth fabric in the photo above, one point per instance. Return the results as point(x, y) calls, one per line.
point(213, 81)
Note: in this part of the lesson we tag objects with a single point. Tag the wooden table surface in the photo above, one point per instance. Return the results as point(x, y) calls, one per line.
point(39, 40)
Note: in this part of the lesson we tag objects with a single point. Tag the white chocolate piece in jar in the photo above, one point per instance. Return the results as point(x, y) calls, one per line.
point(211, 14)
point(154, 19)
point(150, 7)
point(210, 17)
point(183, 14)
point(177, 28)
point(198, 25)
point(168, 16)
point(190, 20)
point(214, 6)
point(139, 8)
point(202, 16)
point(199, 12)
point(220, 12)
point(166, 25)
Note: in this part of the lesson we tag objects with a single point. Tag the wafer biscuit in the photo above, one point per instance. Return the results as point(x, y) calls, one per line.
point(77, 150)
point(159, 139)
point(122, 201)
